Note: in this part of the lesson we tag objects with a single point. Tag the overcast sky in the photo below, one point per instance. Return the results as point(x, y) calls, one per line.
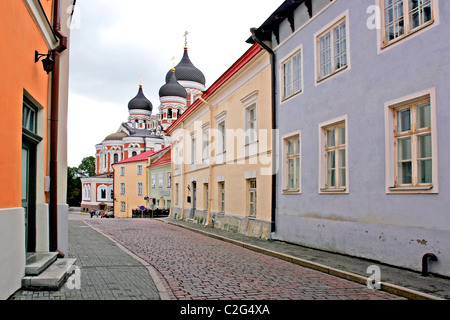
point(113, 42)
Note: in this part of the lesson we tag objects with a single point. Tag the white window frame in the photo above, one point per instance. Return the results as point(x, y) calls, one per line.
point(122, 189)
point(285, 166)
point(169, 179)
point(123, 206)
point(323, 170)
point(383, 44)
point(139, 170)
point(285, 60)
point(251, 191)
point(140, 189)
point(391, 157)
point(153, 180)
point(221, 197)
point(221, 144)
point(161, 179)
point(122, 171)
point(206, 145)
point(344, 17)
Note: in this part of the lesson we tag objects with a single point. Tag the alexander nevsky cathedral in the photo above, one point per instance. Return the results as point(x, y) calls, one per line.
point(143, 130)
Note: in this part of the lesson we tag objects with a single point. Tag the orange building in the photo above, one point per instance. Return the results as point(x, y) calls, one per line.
point(33, 130)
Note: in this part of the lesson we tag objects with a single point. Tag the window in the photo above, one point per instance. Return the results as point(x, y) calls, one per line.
point(332, 49)
point(153, 180)
point(122, 188)
point(222, 197)
point(139, 170)
point(177, 194)
point(413, 144)
point(160, 180)
point(169, 179)
point(140, 190)
point(134, 154)
point(205, 147)
point(123, 206)
point(169, 113)
point(193, 150)
point(252, 197)
point(292, 163)
point(292, 75)
point(222, 144)
point(403, 17)
point(206, 195)
point(334, 156)
point(29, 116)
point(251, 113)
point(116, 157)
point(122, 171)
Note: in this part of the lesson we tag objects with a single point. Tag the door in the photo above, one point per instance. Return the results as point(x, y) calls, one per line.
point(194, 199)
point(29, 193)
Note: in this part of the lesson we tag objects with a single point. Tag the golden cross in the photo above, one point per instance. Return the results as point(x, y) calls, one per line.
point(140, 79)
point(185, 38)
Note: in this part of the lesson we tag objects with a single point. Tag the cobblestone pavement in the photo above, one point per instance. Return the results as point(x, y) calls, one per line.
point(202, 268)
point(107, 272)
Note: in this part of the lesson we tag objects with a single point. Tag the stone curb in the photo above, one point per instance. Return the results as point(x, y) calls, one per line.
point(387, 287)
point(164, 293)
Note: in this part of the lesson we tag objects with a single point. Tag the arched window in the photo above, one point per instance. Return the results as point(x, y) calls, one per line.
point(169, 113)
point(134, 154)
point(116, 158)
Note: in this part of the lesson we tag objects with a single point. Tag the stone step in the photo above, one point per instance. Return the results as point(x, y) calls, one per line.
point(38, 262)
point(52, 278)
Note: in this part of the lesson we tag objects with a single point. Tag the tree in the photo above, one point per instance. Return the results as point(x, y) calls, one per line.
point(74, 175)
point(87, 167)
point(73, 187)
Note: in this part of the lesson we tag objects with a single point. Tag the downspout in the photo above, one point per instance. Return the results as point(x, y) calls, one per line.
point(274, 125)
point(208, 215)
point(54, 116)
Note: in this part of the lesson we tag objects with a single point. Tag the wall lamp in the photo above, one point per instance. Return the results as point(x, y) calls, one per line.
point(47, 62)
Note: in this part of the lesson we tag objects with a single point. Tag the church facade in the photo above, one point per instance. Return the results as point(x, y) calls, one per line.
point(142, 132)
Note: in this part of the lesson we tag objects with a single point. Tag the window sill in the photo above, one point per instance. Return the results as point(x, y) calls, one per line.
point(320, 80)
point(284, 99)
point(292, 191)
point(411, 189)
point(406, 35)
point(336, 190)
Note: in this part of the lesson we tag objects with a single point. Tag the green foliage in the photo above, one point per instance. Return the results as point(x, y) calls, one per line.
point(74, 175)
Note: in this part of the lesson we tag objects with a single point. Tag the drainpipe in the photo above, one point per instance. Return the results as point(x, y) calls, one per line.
point(208, 215)
point(274, 124)
point(54, 115)
point(425, 263)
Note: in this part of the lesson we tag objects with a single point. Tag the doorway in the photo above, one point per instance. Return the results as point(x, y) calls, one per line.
point(194, 199)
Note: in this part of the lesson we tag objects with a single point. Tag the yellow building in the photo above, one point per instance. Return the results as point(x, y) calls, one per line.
point(222, 151)
point(130, 184)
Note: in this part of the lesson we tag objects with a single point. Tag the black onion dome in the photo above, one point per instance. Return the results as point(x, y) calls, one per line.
point(186, 71)
point(140, 102)
point(172, 88)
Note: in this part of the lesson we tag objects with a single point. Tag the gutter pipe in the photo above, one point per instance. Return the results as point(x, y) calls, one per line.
point(274, 125)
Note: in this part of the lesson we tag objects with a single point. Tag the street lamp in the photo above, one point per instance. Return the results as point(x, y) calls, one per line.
point(48, 62)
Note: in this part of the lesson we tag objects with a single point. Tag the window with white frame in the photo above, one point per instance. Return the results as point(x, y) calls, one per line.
point(169, 179)
point(292, 163)
point(193, 150)
point(122, 188)
point(139, 170)
point(332, 49)
point(334, 156)
point(160, 179)
point(413, 144)
point(221, 141)
point(140, 189)
point(292, 75)
point(403, 17)
point(123, 206)
point(177, 194)
point(251, 124)
point(206, 195)
point(222, 197)
point(252, 197)
point(205, 146)
point(153, 180)
point(122, 171)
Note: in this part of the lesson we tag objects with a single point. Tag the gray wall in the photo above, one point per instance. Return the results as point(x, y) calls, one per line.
point(396, 229)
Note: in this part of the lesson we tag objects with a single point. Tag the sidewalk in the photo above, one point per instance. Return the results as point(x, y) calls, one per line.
point(406, 283)
point(107, 271)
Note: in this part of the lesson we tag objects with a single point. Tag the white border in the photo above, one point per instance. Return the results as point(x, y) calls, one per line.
point(322, 163)
point(389, 140)
point(283, 60)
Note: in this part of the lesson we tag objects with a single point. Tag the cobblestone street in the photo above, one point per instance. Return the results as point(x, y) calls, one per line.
point(198, 267)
